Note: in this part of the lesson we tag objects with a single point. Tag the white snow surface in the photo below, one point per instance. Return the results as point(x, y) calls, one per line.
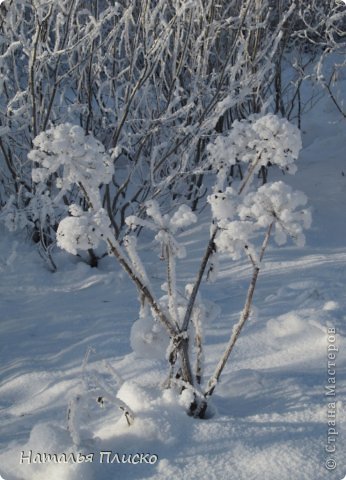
point(268, 418)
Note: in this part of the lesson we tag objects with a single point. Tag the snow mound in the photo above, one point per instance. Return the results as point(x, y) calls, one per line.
point(286, 325)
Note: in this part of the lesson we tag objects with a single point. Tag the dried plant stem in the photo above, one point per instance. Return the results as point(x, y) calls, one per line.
point(193, 296)
point(244, 316)
point(169, 323)
point(249, 175)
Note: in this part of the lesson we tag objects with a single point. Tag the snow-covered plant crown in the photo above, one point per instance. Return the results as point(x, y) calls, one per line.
point(67, 156)
point(63, 156)
point(240, 219)
point(258, 141)
point(241, 214)
point(277, 202)
point(76, 158)
point(82, 230)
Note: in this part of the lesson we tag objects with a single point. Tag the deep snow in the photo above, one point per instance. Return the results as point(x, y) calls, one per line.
point(269, 411)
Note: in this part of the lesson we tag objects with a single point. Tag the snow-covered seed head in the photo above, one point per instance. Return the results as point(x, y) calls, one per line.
point(279, 203)
point(77, 158)
point(82, 230)
point(261, 140)
point(223, 204)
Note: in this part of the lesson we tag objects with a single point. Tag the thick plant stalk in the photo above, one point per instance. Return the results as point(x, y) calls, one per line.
point(181, 338)
point(244, 316)
point(249, 175)
point(181, 343)
point(178, 336)
point(143, 289)
point(199, 351)
point(139, 282)
point(193, 296)
point(171, 283)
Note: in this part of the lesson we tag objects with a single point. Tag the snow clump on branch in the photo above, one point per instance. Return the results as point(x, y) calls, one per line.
point(258, 141)
point(70, 156)
point(277, 202)
point(82, 157)
point(83, 230)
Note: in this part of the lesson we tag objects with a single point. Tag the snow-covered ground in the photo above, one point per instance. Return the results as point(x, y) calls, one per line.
point(270, 411)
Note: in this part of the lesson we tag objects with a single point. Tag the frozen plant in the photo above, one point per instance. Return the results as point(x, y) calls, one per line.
point(277, 201)
point(242, 214)
point(273, 207)
point(256, 142)
point(147, 336)
point(82, 230)
point(62, 157)
point(85, 228)
point(73, 158)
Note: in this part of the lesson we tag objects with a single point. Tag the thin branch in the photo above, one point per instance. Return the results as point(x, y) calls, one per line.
point(244, 316)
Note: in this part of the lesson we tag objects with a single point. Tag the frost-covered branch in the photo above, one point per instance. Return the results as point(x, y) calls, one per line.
point(243, 318)
point(152, 80)
point(240, 216)
point(192, 299)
